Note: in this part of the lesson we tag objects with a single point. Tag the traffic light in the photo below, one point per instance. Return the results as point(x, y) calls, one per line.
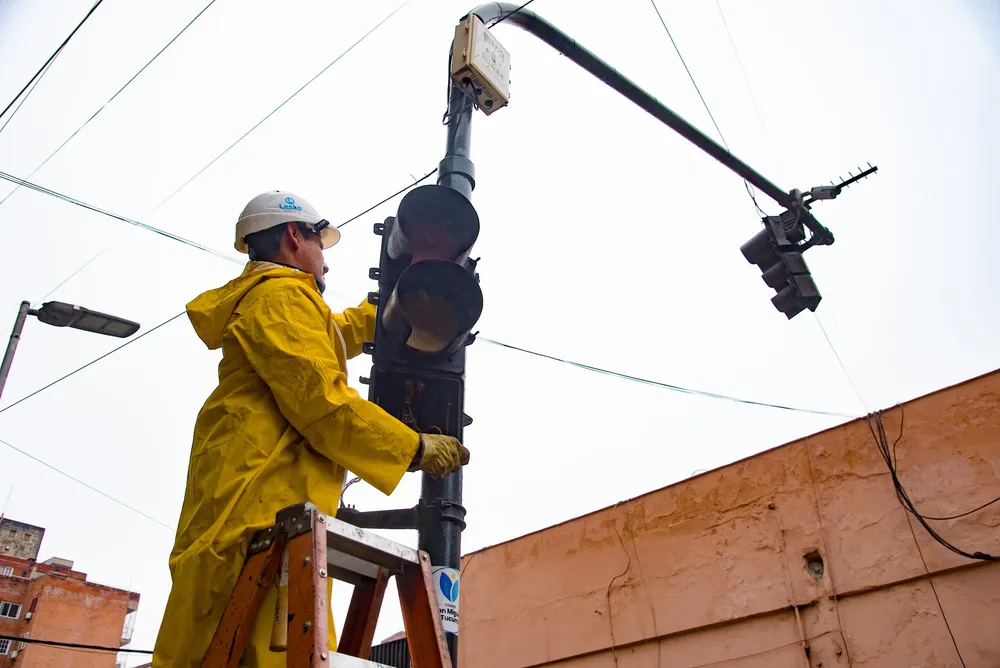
point(428, 301)
point(777, 251)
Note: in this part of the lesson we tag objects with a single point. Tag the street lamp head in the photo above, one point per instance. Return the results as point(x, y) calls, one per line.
point(61, 314)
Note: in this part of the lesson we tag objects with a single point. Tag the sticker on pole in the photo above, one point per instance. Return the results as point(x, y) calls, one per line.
point(446, 586)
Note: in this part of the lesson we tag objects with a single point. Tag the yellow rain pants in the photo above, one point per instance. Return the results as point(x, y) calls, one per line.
point(280, 429)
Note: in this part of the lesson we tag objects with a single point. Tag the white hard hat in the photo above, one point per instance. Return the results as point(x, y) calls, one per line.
point(277, 207)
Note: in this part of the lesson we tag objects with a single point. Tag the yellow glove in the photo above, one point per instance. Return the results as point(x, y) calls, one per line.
point(441, 455)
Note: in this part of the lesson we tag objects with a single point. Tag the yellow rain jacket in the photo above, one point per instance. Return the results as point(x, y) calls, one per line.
point(280, 429)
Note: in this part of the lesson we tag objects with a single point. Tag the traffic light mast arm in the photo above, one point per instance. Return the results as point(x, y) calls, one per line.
point(567, 46)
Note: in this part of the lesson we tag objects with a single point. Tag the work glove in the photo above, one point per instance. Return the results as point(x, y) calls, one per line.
point(440, 455)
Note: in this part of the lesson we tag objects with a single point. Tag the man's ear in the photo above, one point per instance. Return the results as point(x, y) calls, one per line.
point(294, 237)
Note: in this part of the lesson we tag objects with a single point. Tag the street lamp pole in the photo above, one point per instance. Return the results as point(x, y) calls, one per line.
point(15, 336)
point(61, 314)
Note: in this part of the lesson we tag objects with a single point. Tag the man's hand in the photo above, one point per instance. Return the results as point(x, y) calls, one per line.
point(440, 455)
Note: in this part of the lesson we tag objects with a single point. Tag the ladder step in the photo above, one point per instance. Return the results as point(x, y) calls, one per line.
point(355, 555)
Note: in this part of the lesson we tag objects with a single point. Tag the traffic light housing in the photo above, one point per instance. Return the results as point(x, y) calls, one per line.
point(428, 301)
point(777, 251)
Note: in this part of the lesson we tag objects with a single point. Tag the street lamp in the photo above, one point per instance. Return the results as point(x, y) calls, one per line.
point(61, 314)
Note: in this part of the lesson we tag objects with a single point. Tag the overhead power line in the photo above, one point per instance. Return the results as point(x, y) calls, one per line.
point(395, 194)
point(656, 383)
point(275, 110)
point(840, 361)
point(690, 76)
point(55, 54)
point(746, 184)
point(85, 484)
point(739, 61)
point(170, 235)
point(129, 342)
point(26, 96)
point(76, 272)
point(579, 365)
point(111, 99)
point(150, 228)
point(587, 367)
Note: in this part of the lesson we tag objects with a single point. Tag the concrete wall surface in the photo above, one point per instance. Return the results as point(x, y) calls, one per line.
point(19, 540)
point(799, 557)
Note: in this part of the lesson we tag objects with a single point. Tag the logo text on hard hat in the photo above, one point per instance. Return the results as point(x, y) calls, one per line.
point(290, 205)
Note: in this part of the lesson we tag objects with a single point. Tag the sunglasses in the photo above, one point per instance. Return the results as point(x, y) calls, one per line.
point(316, 228)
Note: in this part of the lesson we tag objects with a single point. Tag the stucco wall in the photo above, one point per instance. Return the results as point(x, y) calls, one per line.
point(800, 556)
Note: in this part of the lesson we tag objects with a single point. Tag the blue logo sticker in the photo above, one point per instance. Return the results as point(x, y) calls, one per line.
point(289, 205)
point(449, 586)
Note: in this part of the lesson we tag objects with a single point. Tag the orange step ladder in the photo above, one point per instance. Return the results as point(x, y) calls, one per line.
point(301, 551)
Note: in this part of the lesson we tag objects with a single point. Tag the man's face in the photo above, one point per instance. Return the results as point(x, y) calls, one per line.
point(309, 255)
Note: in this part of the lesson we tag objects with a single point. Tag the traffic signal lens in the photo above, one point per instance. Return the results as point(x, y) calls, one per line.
point(435, 303)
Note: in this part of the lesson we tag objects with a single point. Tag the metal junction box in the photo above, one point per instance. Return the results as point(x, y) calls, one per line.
point(478, 57)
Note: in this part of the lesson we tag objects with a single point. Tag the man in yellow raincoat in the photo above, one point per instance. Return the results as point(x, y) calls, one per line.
point(281, 428)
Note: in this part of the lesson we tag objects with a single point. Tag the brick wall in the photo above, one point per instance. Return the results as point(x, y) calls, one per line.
point(67, 610)
point(12, 590)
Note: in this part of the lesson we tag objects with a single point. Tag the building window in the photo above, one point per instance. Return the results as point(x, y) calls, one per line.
point(6, 570)
point(10, 610)
point(4, 647)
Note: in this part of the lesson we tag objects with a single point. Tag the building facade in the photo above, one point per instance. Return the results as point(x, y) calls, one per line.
point(799, 557)
point(51, 601)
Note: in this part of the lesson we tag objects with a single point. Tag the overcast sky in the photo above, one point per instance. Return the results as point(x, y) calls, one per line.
point(606, 238)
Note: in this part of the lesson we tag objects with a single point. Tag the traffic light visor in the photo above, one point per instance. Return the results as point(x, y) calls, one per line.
point(434, 222)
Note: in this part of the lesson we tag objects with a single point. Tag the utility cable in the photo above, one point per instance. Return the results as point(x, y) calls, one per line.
point(656, 383)
point(85, 484)
point(26, 96)
point(930, 581)
point(275, 110)
point(162, 232)
point(746, 184)
point(79, 269)
point(877, 428)
point(966, 513)
point(690, 76)
point(739, 61)
point(111, 99)
point(507, 16)
point(90, 363)
point(55, 54)
point(395, 194)
point(124, 219)
point(840, 361)
point(73, 645)
point(889, 455)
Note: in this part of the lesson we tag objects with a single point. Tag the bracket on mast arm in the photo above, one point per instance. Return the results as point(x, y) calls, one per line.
point(419, 516)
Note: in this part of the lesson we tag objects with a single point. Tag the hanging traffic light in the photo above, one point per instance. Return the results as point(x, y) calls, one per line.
point(428, 301)
point(777, 251)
